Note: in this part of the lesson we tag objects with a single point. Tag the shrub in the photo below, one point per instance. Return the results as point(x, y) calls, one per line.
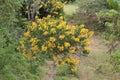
point(113, 4)
point(53, 38)
point(108, 22)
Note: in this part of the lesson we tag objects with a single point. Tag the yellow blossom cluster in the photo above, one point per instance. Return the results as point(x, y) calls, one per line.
point(71, 62)
point(27, 34)
point(54, 37)
point(42, 8)
point(53, 7)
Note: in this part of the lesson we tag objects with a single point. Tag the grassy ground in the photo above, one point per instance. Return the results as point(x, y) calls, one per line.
point(96, 66)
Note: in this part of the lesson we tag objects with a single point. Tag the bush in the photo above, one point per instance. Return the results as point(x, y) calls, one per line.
point(53, 38)
point(108, 22)
point(113, 4)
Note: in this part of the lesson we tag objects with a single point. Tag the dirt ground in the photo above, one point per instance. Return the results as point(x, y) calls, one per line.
point(96, 66)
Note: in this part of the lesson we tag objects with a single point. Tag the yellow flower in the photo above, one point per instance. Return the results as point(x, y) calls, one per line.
point(40, 28)
point(34, 48)
point(62, 63)
point(59, 26)
point(53, 45)
point(72, 50)
point(52, 39)
point(27, 55)
point(51, 23)
point(67, 60)
point(36, 17)
point(33, 25)
point(45, 33)
point(91, 33)
point(24, 54)
point(34, 41)
point(76, 62)
point(54, 58)
point(74, 69)
point(73, 27)
point(55, 12)
point(83, 36)
point(68, 32)
point(67, 44)
point(61, 37)
point(45, 26)
point(61, 48)
point(75, 39)
point(27, 34)
point(61, 17)
point(82, 25)
point(49, 16)
point(67, 27)
point(44, 48)
point(83, 31)
point(21, 41)
point(53, 30)
point(87, 42)
point(49, 44)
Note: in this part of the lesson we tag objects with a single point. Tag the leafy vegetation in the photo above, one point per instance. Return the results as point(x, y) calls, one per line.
point(113, 4)
point(109, 22)
point(33, 32)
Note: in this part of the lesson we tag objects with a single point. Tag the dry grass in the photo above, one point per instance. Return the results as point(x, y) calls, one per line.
point(95, 66)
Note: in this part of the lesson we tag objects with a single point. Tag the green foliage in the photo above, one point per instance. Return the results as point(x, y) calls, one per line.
point(109, 22)
point(113, 4)
point(14, 67)
point(8, 11)
point(115, 60)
